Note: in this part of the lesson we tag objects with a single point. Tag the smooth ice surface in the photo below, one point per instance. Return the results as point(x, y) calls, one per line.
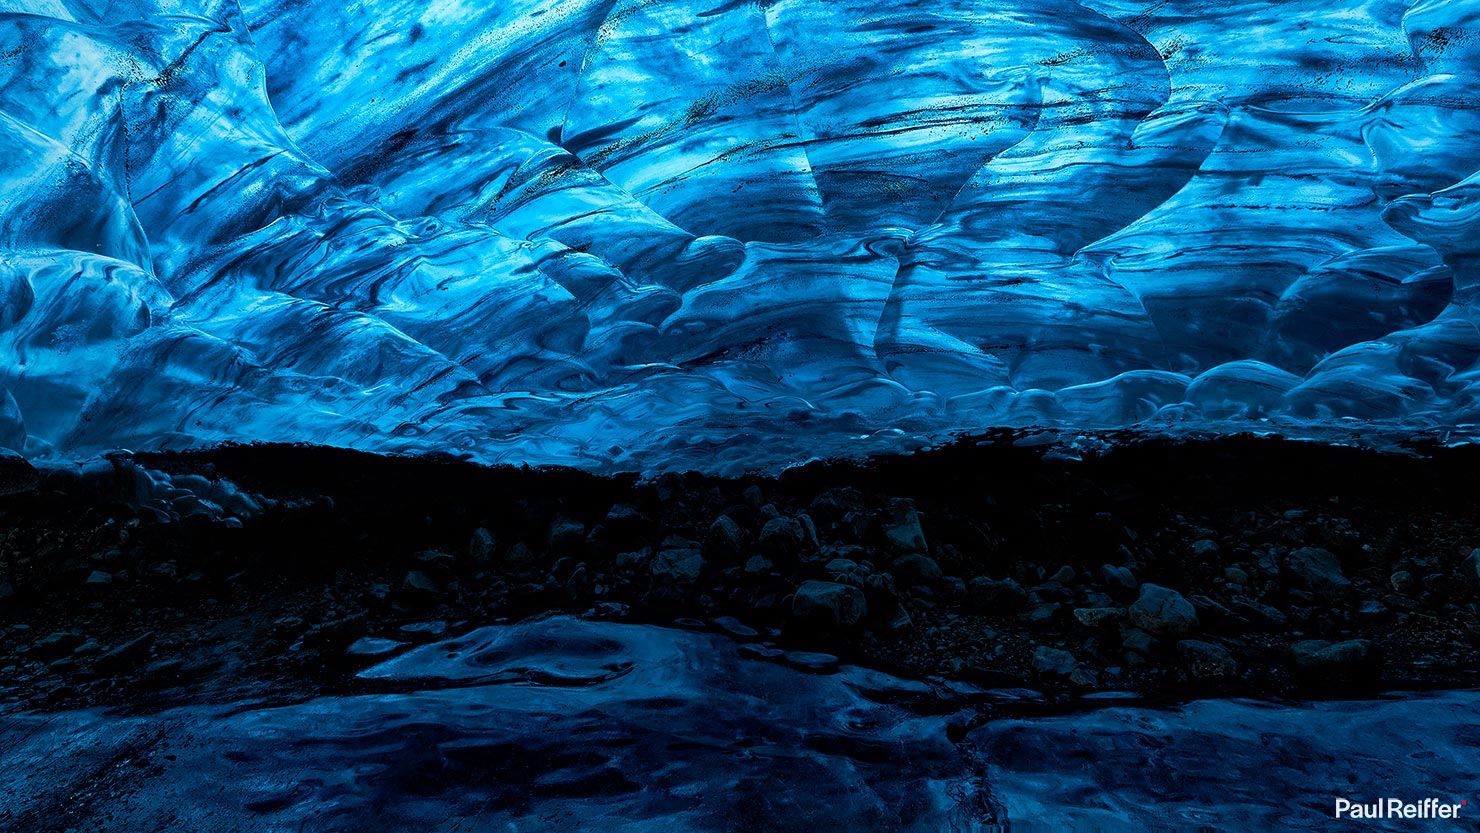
point(562, 724)
point(632, 234)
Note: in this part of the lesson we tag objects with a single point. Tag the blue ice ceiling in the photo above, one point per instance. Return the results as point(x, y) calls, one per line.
point(646, 234)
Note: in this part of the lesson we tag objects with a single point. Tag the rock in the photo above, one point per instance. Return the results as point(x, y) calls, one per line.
point(1095, 617)
point(882, 594)
point(1064, 575)
point(578, 584)
point(812, 661)
point(563, 567)
point(418, 588)
point(623, 524)
point(1211, 612)
point(1051, 591)
point(810, 543)
point(757, 565)
point(1137, 641)
point(520, 556)
point(834, 504)
point(734, 627)
point(99, 578)
point(782, 539)
point(59, 644)
point(126, 657)
point(952, 589)
point(1084, 677)
point(841, 566)
point(724, 542)
point(829, 603)
point(1319, 571)
point(1323, 661)
point(1205, 660)
point(1234, 575)
point(916, 569)
point(1119, 581)
point(679, 566)
point(1039, 613)
point(1372, 610)
point(287, 626)
point(1259, 614)
point(1403, 582)
point(567, 535)
point(902, 528)
point(166, 673)
point(1163, 611)
point(633, 561)
point(1052, 662)
point(480, 547)
point(1204, 548)
point(1469, 568)
point(755, 650)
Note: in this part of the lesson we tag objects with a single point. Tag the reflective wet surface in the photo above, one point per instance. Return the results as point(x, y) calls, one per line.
point(564, 724)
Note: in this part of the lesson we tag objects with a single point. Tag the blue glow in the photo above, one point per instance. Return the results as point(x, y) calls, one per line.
point(636, 234)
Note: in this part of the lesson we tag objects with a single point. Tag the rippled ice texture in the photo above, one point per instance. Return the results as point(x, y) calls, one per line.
point(569, 725)
point(633, 234)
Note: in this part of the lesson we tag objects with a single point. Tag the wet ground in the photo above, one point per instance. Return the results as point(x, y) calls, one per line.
point(563, 724)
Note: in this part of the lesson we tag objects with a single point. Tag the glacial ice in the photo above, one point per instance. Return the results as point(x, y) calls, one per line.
point(558, 722)
point(622, 234)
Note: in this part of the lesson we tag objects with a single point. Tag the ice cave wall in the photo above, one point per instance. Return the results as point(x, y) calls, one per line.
point(639, 234)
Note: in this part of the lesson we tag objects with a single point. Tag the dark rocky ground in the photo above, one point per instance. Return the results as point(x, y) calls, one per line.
point(1235, 565)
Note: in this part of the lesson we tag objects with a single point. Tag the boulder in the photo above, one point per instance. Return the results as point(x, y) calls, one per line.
point(829, 603)
point(480, 547)
point(126, 657)
point(1163, 611)
point(1096, 617)
point(782, 539)
point(418, 588)
point(724, 542)
point(916, 569)
point(680, 566)
point(59, 644)
point(567, 535)
point(1119, 581)
point(1469, 569)
point(1318, 571)
point(1053, 662)
point(1137, 641)
point(902, 528)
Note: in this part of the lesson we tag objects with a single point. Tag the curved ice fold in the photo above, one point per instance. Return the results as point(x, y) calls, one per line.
point(635, 235)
